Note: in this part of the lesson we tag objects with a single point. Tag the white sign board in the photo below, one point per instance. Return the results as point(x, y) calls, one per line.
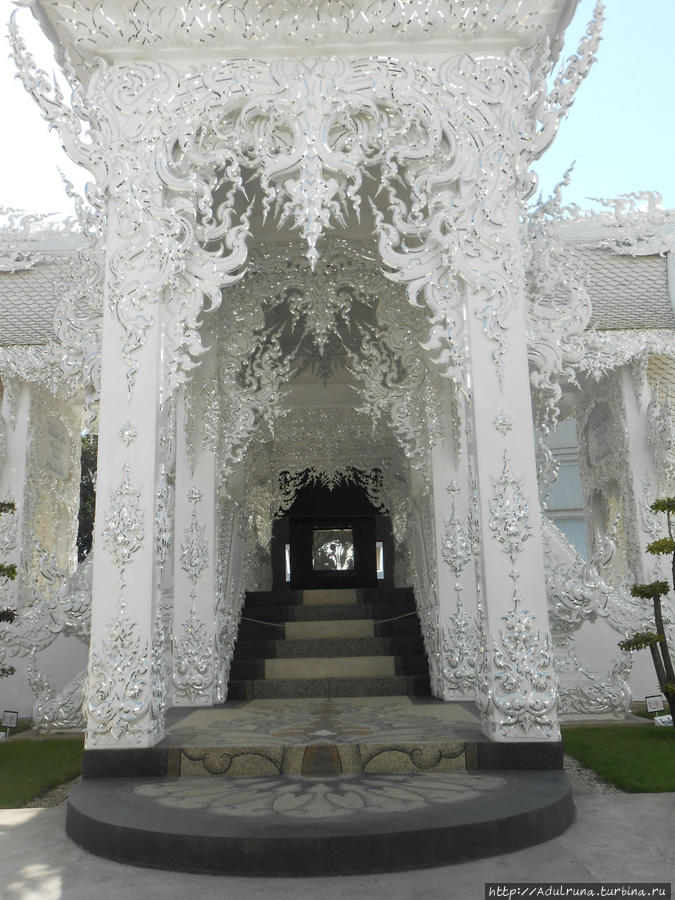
point(654, 703)
point(9, 718)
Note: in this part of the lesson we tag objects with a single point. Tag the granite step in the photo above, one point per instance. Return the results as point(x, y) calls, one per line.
point(297, 598)
point(331, 667)
point(326, 666)
point(376, 646)
point(313, 613)
point(329, 643)
point(396, 685)
point(333, 628)
point(330, 597)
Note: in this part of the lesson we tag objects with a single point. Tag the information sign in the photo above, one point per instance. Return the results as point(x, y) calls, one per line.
point(11, 716)
point(654, 703)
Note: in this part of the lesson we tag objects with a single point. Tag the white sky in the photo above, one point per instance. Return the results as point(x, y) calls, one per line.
point(621, 130)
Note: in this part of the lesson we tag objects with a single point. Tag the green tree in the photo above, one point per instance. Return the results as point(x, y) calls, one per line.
point(656, 640)
point(7, 572)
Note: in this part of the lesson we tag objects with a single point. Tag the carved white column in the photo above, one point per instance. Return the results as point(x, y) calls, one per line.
point(126, 692)
point(195, 553)
point(517, 684)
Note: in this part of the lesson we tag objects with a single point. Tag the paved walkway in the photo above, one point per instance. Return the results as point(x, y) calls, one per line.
point(617, 837)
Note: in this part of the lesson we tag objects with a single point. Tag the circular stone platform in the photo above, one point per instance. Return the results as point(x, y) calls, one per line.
point(316, 826)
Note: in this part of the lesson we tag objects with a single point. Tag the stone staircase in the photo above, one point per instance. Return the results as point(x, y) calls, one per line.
point(327, 643)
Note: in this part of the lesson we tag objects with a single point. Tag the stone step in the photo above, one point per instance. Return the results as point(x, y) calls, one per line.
point(329, 597)
point(334, 628)
point(354, 627)
point(331, 667)
point(396, 685)
point(377, 646)
point(299, 826)
point(327, 666)
point(313, 613)
point(363, 595)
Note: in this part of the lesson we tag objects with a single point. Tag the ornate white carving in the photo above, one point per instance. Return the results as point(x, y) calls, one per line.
point(558, 308)
point(54, 711)
point(128, 434)
point(522, 685)
point(160, 667)
point(292, 482)
point(461, 652)
point(187, 135)
point(456, 548)
point(605, 351)
point(509, 519)
point(164, 519)
point(25, 239)
point(194, 550)
point(586, 692)
point(503, 423)
point(634, 223)
point(123, 529)
point(193, 659)
point(148, 26)
point(118, 694)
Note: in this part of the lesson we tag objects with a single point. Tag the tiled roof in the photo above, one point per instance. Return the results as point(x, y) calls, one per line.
point(626, 291)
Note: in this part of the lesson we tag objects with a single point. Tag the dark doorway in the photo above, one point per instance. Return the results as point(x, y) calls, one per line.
point(332, 538)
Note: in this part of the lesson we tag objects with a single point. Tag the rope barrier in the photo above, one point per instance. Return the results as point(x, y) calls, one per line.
point(375, 622)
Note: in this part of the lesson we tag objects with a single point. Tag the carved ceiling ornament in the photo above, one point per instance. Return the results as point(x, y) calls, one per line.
point(147, 132)
point(252, 24)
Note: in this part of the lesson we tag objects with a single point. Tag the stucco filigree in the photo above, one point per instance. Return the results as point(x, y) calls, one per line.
point(461, 652)
point(193, 659)
point(584, 691)
point(194, 549)
point(164, 519)
point(123, 528)
point(181, 137)
point(146, 26)
point(118, 692)
point(522, 685)
point(509, 517)
point(52, 710)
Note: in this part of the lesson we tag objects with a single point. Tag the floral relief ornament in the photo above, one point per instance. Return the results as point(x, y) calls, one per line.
point(193, 669)
point(503, 423)
point(509, 512)
point(118, 693)
point(123, 531)
point(128, 434)
point(194, 554)
point(523, 683)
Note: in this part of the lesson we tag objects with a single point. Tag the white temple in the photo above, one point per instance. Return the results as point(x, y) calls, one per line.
point(308, 255)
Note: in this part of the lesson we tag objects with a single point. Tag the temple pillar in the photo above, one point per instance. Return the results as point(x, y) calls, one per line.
point(455, 553)
point(126, 692)
point(195, 665)
point(517, 686)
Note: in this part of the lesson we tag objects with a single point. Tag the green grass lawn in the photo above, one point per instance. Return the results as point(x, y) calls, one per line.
point(635, 758)
point(29, 768)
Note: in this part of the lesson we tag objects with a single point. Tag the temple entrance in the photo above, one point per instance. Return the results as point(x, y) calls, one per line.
point(332, 537)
